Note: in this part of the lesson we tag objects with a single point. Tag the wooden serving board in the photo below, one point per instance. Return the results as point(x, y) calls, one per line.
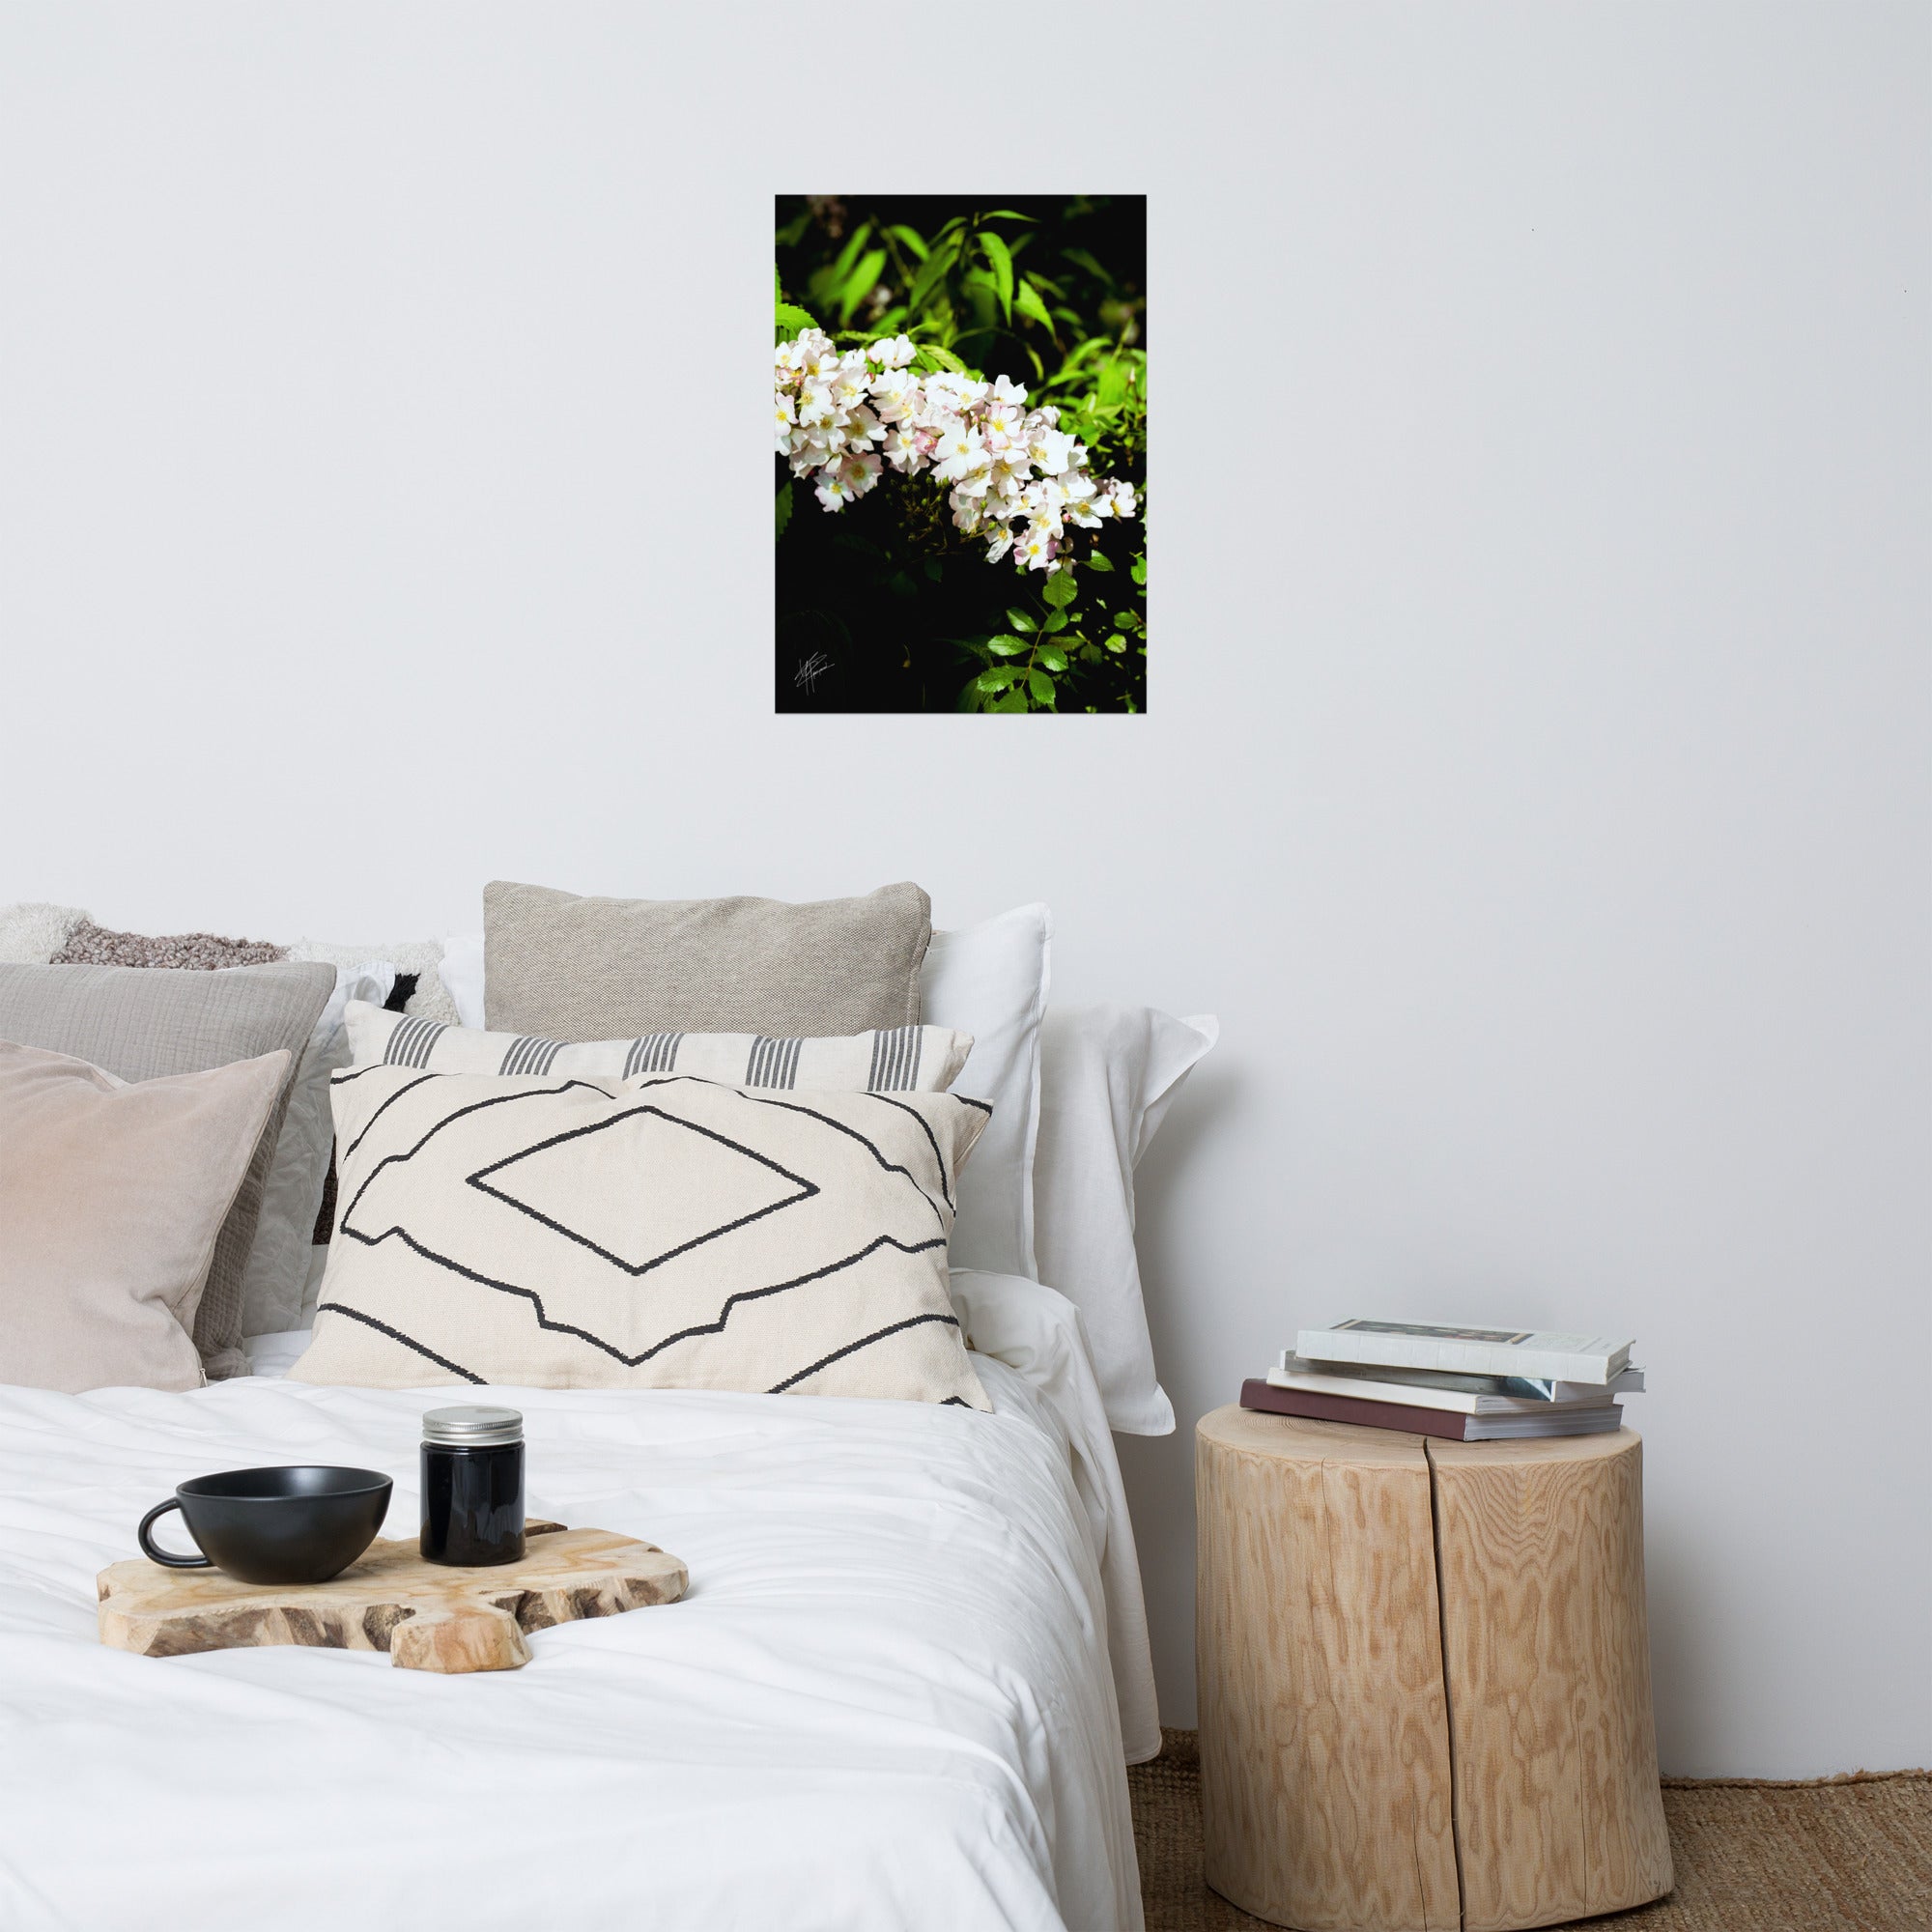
point(426, 1615)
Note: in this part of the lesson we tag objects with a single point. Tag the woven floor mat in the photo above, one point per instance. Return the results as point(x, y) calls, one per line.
point(1847, 1854)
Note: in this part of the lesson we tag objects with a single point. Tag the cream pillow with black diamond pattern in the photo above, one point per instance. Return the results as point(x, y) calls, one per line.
point(661, 1232)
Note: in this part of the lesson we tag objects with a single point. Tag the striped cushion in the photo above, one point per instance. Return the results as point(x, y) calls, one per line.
point(896, 1060)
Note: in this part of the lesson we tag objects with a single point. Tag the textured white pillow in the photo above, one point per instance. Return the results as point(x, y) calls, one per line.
point(1109, 1075)
point(990, 980)
point(278, 1266)
point(32, 933)
point(656, 1232)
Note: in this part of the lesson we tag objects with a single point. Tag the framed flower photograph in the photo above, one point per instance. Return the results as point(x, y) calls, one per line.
point(960, 401)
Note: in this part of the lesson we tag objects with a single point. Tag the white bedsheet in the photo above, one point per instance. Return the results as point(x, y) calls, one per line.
point(886, 1701)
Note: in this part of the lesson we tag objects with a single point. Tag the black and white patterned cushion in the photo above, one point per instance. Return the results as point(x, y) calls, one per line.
point(663, 1232)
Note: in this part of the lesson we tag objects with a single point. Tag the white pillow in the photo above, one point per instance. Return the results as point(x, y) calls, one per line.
point(32, 933)
point(991, 980)
point(1109, 1075)
point(462, 973)
point(278, 1265)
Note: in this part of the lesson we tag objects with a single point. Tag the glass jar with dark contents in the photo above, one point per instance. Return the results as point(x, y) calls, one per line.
point(472, 1486)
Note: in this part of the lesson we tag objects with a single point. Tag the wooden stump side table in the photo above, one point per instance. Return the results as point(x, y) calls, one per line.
point(1424, 1676)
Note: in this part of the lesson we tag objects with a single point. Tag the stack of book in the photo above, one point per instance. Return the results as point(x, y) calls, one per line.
point(1468, 1385)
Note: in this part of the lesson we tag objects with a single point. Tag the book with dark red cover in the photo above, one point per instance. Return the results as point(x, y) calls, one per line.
point(1598, 1419)
point(1256, 1394)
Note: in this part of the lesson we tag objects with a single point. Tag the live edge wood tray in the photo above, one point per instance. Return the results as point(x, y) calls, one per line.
point(428, 1616)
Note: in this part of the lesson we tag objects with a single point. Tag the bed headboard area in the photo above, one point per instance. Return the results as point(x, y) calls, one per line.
point(774, 999)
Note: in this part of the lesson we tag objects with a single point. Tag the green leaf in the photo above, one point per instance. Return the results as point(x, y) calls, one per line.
point(1053, 657)
point(1013, 701)
point(1056, 622)
point(998, 677)
point(938, 265)
point(1087, 262)
point(1115, 644)
point(1124, 620)
point(899, 231)
point(850, 253)
point(1001, 257)
point(1061, 589)
point(860, 285)
point(1025, 298)
point(1040, 685)
point(784, 507)
point(1005, 215)
point(793, 320)
point(1021, 622)
point(932, 568)
point(778, 286)
point(969, 697)
point(1138, 570)
point(1097, 562)
point(1006, 647)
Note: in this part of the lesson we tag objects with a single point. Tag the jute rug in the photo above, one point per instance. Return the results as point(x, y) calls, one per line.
point(1850, 1855)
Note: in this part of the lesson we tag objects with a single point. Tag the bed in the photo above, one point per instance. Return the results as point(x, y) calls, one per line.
point(901, 1692)
point(912, 1665)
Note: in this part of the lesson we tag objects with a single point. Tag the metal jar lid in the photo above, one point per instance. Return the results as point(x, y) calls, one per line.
point(472, 1428)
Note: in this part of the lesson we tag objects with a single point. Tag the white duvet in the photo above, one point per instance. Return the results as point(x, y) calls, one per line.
point(887, 1702)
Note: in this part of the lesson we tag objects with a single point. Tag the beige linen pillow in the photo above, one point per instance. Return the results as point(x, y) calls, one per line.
point(140, 1025)
point(570, 968)
point(656, 1232)
point(112, 1194)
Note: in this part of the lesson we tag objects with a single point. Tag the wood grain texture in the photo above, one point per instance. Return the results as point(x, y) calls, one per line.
point(426, 1615)
point(1547, 1653)
point(1324, 1762)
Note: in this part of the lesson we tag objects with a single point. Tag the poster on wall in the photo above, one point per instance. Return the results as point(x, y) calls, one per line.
point(961, 408)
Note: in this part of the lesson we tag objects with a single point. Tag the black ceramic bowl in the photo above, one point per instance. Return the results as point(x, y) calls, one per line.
point(301, 1524)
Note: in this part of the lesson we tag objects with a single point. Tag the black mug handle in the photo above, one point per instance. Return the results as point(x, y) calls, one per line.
point(154, 1551)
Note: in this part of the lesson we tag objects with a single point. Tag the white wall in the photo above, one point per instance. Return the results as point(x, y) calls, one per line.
point(1536, 780)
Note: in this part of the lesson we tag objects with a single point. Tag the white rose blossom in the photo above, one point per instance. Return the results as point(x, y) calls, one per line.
point(843, 417)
